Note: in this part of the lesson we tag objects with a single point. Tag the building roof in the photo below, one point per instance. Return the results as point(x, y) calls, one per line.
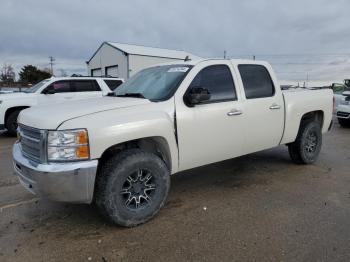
point(151, 51)
point(148, 51)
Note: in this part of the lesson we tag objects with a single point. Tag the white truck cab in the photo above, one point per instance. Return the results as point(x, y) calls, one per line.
point(51, 91)
point(120, 150)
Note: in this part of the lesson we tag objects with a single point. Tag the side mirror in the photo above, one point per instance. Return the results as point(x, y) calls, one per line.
point(197, 95)
point(49, 90)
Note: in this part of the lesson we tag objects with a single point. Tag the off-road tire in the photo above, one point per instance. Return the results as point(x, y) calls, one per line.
point(11, 123)
point(298, 150)
point(112, 178)
point(344, 122)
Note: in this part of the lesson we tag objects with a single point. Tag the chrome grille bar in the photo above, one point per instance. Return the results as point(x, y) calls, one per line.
point(33, 143)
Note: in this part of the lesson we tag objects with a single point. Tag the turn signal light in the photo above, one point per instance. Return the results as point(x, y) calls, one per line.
point(82, 138)
point(82, 152)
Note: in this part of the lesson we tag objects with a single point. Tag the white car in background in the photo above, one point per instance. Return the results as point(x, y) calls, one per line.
point(51, 91)
point(338, 90)
point(343, 110)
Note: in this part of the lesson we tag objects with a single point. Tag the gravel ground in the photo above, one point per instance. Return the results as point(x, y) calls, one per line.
point(259, 207)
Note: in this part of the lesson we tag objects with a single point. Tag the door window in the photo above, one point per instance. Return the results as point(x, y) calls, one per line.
point(60, 87)
point(219, 82)
point(85, 86)
point(257, 81)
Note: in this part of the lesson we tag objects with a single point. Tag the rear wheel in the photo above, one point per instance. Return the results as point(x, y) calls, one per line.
point(307, 146)
point(344, 122)
point(11, 123)
point(131, 187)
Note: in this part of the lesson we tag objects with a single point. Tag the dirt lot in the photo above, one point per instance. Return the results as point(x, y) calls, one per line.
point(259, 207)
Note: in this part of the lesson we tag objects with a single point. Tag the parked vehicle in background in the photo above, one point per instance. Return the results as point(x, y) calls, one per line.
point(50, 91)
point(338, 90)
point(347, 82)
point(343, 110)
point(7, 90)
point(120, 150)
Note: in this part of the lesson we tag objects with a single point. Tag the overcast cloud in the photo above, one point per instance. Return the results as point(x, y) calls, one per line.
point(297, 37)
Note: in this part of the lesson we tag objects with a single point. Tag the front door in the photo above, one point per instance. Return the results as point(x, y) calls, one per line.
point(56, 92)
point(212, 130)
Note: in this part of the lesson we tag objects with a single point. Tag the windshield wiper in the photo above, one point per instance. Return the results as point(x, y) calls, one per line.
point(137, 95)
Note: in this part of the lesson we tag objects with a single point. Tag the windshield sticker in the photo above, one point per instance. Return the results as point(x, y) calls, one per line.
point(182, 69)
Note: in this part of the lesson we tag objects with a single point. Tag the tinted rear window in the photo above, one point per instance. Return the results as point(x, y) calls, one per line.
point(85, 86)
point(113, 84)
point(257, 82)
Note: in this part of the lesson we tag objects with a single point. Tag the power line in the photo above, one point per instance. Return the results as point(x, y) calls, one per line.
point(52, 59)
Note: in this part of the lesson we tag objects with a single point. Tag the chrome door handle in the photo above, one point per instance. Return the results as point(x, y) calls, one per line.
point(234, 112)
point(275, 106)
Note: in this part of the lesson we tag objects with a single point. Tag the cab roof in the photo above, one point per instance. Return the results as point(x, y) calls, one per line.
point(233, 61)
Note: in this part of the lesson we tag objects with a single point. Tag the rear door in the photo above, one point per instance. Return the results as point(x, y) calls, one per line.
point(85, 89)
point(263, 108)
point(213, 130)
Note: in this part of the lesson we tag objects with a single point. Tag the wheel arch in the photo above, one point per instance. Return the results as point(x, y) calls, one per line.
point(157, 145)
point(317, 116)
point(10, 110)
point(294, 124)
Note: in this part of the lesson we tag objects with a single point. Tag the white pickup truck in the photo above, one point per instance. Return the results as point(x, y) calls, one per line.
point(49, 91)
point(119, 151)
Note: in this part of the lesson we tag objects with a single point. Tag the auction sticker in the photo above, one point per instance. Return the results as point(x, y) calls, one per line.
point(182, 69)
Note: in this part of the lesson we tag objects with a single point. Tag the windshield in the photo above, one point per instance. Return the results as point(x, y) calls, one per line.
point(156, 83)
point(35, 87)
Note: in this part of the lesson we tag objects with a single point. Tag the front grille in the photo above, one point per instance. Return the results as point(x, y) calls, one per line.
point(343, 114)
point(31, 140)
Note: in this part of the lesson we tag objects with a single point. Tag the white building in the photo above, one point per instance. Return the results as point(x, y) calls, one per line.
point(123, 60)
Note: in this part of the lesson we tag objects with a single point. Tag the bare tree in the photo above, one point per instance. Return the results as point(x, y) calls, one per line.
point(7, 74)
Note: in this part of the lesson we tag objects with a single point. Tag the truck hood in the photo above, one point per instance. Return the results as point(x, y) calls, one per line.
point(52, 116)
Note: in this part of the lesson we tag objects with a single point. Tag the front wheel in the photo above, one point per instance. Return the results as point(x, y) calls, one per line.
point(307, 146)
point(131, 187)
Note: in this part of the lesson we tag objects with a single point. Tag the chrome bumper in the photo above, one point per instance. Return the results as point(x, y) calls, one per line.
point(64, 182)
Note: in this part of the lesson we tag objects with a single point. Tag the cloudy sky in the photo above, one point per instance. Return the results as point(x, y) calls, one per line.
point(299, 37)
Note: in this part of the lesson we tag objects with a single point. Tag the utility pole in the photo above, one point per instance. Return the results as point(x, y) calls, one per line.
point(253, 57)
point(224, 54)
point(52, 59)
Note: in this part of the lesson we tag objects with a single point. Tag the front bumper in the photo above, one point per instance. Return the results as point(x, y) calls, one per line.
point(343, 111)
point(64, 182)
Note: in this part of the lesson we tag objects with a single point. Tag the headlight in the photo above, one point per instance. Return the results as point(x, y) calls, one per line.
point(68, 145)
